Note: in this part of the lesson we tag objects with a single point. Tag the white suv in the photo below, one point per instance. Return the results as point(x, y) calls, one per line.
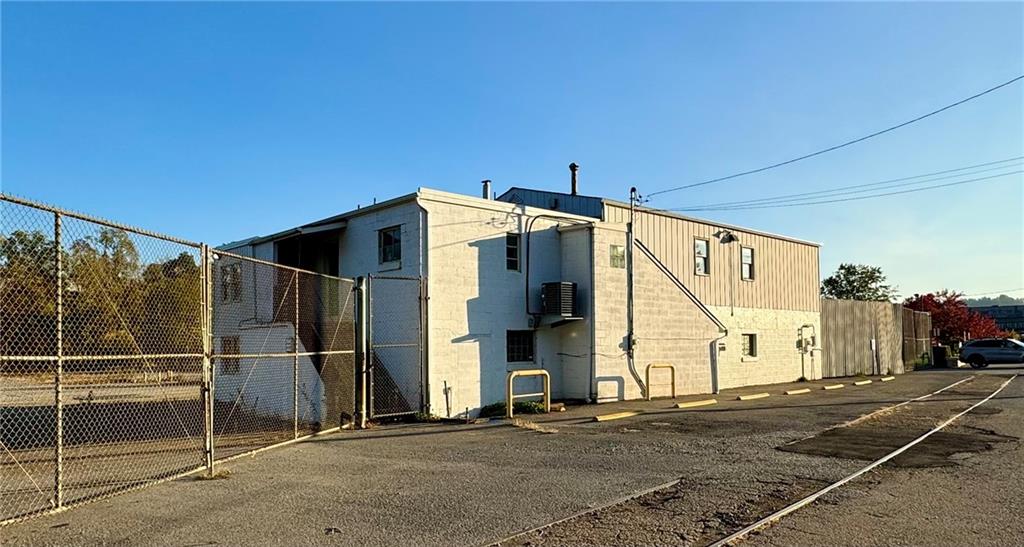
point(988, 351)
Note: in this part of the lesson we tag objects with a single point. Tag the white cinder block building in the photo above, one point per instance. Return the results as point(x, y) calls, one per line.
point(727, 306)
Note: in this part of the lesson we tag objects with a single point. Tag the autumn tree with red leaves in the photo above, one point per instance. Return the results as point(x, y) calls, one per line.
point(952, 318)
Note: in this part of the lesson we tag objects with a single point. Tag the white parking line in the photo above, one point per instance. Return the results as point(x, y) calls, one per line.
point(728, 540)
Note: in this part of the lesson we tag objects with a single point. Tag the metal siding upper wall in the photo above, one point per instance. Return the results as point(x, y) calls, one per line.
point(567, 203)
point(785, 272)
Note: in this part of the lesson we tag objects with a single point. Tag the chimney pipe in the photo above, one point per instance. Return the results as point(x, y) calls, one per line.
point(486, 193)
point(573, 168)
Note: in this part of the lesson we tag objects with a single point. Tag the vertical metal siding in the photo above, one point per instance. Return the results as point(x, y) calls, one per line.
point(847, 328)
point(786, 272)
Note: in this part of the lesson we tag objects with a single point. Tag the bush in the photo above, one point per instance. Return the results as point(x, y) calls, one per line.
point(520, 407)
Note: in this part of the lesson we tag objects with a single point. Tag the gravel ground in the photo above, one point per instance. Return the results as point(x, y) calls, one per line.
point(476, 484)
point(973, 499)
point(704, 508)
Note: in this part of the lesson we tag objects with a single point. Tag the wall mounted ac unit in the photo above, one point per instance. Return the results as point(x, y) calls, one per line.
point(559, 298)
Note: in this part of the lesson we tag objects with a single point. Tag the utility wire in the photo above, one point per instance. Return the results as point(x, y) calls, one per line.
point(838, 146)
point(770, 206)
point(869, 187)
point(1004, 291)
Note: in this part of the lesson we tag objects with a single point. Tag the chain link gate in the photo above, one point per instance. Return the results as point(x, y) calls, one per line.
point(396, 371)
point(101, 358)
point(282, 353)
point(129, 358)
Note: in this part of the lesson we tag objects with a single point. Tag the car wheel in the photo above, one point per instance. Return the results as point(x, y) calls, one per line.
point(977, 361)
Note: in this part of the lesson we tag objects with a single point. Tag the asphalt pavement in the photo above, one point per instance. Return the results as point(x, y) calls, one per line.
point(477, 484)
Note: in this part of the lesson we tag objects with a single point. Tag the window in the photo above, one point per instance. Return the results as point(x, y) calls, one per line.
point(746, 263)
point(512, 251)
point(519, 346)
point(701, 260)
point(389, 242)
point(230, 345)
point(231, 283)
point(749, 345)
point(617, 255)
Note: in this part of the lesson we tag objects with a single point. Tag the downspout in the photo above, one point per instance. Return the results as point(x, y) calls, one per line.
point(593, 305)
point(715, 386)
point(424, 302)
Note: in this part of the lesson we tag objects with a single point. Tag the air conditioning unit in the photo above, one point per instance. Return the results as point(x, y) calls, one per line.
point(558, 298)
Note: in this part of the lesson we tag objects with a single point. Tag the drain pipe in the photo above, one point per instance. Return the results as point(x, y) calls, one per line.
point(715, 386)
point(425, 305)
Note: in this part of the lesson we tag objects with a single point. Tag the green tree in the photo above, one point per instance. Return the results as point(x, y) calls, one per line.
point(28, 305)
point(172, 306)
point(858, 282)
point(104, 294)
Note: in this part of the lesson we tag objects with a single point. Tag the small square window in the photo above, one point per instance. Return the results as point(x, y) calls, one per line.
point(512, 251)
point(701, 257)
point(749, 345)
point(389, 242)
point(230, 345)
point(746, 263)
point(231, 283)
point(519, 346)
point(617, 256)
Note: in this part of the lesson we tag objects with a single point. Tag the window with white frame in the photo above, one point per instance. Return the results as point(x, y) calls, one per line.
point(701, 257)
point(389, 244)
point(746, 263)
point(617, 256)
point(512, 246)
point(749, 345)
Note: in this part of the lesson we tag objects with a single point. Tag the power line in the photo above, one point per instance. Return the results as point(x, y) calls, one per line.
point(1004, 291)
point(838, 146)
point(840, 190)
point(820, 202)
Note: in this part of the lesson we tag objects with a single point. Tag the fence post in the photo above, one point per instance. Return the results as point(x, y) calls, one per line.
point(58, 470)
point(422, 319)
point(362, 348)
point(208, 373)
point(295, 364)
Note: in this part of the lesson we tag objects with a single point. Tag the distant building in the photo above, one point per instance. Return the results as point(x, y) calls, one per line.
point(1007, 317)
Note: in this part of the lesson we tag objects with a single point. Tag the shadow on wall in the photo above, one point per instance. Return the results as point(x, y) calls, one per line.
point(489, 314)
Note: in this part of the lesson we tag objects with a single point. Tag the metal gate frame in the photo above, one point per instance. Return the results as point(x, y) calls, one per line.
point(109, 464)
point(372, 344)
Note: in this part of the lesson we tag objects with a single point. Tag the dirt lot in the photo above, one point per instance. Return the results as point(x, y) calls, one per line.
point(478, 484)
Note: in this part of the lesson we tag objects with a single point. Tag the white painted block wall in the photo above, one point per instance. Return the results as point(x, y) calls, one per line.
point(475, 299)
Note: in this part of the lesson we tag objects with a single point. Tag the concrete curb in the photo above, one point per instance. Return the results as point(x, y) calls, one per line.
point(744, 397)
point(693, 404)
point(616, 416)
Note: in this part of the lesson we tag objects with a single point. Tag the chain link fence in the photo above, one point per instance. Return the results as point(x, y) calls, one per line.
point(396, 349)
point(128, 358)
point(283, 355)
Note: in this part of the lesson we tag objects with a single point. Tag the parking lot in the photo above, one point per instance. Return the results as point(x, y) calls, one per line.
point(482, 483)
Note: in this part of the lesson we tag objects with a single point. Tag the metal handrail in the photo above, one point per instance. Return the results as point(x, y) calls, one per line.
point(510, 396)
point(647, 377)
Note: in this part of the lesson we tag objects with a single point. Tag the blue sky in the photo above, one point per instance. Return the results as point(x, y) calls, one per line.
point(215, 121)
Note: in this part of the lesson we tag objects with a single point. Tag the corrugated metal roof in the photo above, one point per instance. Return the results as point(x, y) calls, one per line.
point(588, 206)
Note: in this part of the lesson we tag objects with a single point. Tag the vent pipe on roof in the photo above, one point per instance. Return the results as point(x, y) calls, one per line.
point(573, 168)
point(486, 193)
